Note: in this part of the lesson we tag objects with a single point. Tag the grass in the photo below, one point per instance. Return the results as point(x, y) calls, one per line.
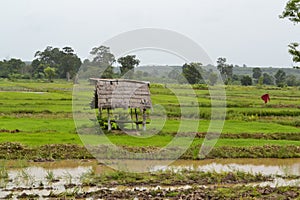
point(161, 141)
point(34, 125)
point(44, 114)
point(58, 131)
point(37, 139)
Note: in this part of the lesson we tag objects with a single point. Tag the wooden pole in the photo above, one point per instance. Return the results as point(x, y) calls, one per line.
point(100, 113)
point(108, 120)
point(131, 118)
point(144, 119)
point(136, 119)
point(100, 117)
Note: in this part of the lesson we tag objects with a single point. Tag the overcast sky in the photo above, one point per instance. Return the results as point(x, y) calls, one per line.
point(244, 31)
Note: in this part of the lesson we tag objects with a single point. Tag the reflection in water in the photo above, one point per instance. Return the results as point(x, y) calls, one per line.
point(281, 167)
point(32, 175)
point(264, 166)
point(279, 182)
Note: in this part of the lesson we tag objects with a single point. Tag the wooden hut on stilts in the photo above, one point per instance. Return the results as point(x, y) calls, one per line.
point(132, 95)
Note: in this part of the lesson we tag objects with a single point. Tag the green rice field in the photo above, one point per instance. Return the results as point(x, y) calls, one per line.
point(39, 113)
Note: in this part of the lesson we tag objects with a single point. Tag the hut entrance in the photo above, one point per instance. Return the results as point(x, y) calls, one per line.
point(122, 102)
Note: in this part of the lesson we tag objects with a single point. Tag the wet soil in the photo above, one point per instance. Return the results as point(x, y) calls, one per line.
point(214, 192)
point(11, 151)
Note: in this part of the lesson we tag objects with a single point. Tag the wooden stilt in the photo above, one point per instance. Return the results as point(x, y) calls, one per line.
point(100, 116)
point(136, 119)
point(144, 119)
point(108, 120)
point(131, 118)
point(100, 113)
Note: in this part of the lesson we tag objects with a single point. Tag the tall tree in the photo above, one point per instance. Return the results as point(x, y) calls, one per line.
point(292, 12)
point(225, 70)
point(103, 59)
point(192, 72)
point(69, 63)
point(102, 56)
point(221, 63)
point(280, 78)
point(256, 72)
point(128, 63)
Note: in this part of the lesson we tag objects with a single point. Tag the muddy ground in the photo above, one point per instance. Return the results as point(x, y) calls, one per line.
point(13, 151)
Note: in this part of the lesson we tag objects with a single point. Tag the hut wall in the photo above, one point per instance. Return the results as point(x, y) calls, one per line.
point(123, 94)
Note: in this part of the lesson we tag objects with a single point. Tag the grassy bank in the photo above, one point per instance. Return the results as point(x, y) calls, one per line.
point(10, 151)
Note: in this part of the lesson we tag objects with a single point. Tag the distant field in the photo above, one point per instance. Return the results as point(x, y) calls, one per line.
point(42, 112)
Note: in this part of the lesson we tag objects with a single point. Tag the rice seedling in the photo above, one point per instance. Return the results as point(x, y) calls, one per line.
point(67, 178)
point(87, 178)
point(50, 177)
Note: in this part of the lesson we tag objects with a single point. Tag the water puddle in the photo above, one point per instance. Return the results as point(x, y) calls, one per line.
point(279, 182)
point(268, 167)
point(18, 177)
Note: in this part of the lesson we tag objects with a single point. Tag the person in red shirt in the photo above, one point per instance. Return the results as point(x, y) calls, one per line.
point(266, 98)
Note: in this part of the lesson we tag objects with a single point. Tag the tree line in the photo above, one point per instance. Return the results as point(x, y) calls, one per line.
point(54, 63)
point(50, 63)
point(195, 73)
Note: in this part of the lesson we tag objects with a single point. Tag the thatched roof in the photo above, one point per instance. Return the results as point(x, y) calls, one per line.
point(120, 93)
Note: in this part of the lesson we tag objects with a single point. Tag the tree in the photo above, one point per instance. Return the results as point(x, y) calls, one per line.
point(128, 63)
point(267, 79)
point(191, 73)
point(292, 12)
point(35, 64)
point(235, 77)
point(280, 78)
point(246, 80)
point(221, 64)
point(69, 63)
point(102, 56)
point(4, 69)
point(10, 67)
point(295, 52)
point(49, 73)
point(256, 72)
point(291, 80)
point(16, 65)
point(213, 78)
point(103, 60)
point(64, 61)
point(225, 70)
point(50, 56)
